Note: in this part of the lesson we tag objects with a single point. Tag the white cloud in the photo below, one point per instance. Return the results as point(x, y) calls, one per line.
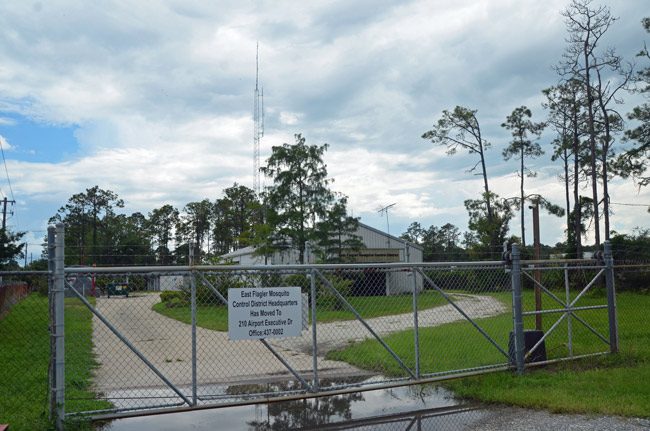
point(6, 146)
point(289, 118)
point(160, 94)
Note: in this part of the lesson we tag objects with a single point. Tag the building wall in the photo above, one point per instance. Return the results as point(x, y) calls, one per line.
point(168, 282)
point(401, 281)
point(376, 239)
point(398, 281)
point(251, 260)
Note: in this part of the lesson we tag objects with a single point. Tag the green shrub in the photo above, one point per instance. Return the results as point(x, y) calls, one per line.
point(326, 299)
point(632, 250)
point(270, 279)
point(205, 295)
point(176, 303)
point(299, 280)
point(467, 279)
point(137, 284)
point(169, 295)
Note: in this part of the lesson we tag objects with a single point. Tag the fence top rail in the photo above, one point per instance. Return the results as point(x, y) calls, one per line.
point(556, 262)
point(635, 265)
point(186, 268)
point(3, 273)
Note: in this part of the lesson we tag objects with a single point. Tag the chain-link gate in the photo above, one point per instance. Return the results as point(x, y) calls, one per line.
point(568, 289)
point(157, 337)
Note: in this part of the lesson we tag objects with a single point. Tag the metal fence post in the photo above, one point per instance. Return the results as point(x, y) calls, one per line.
point(518, 320)
point(568, 304)
point(416, 329)
point(314, 337)
point(611, 298)
point(193, 311)
point(51, 247)
point(59, 328)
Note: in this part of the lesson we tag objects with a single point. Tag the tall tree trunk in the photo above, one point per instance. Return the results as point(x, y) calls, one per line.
point(577, 212)
point(82, 251)
point(567, 193)
point(605, 151)
point(488, 204)
point(605, 198)
point(94, 252)
point(485, 179)
point(301, 252)
point(485, 186)
point(522, 206)
point(592, 143)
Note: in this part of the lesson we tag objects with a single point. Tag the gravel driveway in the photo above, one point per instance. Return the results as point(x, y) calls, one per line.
point(334, 335)
point(166, 343)
point(502, 418)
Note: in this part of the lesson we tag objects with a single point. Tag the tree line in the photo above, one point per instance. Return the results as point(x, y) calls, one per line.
point(590, 140)
point(299, 210)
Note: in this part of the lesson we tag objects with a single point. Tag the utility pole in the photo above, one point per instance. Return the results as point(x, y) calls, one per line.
point(4, 211)
point(537, 275)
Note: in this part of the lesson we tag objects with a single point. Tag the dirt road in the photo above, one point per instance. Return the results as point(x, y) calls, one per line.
point(166, 343)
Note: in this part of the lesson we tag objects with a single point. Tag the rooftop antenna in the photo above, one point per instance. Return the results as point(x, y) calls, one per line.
point(384, 210)
point(258, 123)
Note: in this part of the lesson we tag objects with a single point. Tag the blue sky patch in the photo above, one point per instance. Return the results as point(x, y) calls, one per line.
point(38, 142)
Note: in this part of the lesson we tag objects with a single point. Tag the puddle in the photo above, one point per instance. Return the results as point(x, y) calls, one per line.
point(407, 407)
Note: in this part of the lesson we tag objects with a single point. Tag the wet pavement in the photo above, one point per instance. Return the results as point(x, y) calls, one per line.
point(402, 408)
point(355, 409)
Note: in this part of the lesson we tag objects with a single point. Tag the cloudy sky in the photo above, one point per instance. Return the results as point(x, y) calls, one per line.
point(153, 100)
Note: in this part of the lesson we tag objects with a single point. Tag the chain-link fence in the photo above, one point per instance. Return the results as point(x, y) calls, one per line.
point(164, 337)
point(565, 309)
point(161, 338)
point(632, 280)
point(24, 349)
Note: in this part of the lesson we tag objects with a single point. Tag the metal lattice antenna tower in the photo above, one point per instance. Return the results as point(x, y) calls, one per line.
point(258, 124)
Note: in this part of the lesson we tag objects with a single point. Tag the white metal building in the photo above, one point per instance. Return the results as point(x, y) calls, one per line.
point(379, 247)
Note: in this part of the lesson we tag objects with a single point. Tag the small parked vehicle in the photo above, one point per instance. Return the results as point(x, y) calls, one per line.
point(117, 289)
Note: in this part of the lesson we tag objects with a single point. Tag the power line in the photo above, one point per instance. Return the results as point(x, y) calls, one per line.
point(629, 205)
point(7, 171)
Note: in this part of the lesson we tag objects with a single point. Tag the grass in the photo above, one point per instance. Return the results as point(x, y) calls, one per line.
point(612, 384)
point(216, 317)
point(24, 359)
point(447, 347)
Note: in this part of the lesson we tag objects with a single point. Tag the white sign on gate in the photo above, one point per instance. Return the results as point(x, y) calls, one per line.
point(264, 312)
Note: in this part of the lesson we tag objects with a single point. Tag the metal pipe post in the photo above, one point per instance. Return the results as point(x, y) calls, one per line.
point(518, 320)
point(568, 304)
point(193, 311)
point(537, 274)
point(611, 298)
point(416, 328)
point(51, 247)
point(314, 337)
point(59, 328)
